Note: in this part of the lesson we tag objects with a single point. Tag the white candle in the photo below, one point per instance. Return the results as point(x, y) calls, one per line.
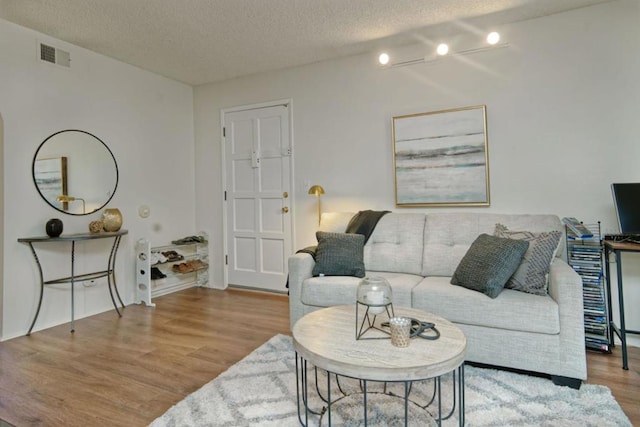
point(375, 298)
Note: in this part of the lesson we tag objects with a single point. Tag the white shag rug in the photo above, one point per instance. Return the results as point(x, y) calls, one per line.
point(260, 390)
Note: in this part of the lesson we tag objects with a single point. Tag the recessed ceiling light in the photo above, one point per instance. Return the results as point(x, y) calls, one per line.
point(493, 38)
point(442, 49)
point(383, 59)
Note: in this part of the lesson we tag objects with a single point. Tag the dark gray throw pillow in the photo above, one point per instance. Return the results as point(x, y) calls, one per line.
point(489, 263)
point(532, 274)
point(339, 254)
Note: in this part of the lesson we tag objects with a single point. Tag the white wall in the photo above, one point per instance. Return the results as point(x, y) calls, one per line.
point(1, 217)
point(147, 122)
point(562, 104)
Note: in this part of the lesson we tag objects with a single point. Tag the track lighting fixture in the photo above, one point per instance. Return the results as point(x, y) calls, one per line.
point(492, 40)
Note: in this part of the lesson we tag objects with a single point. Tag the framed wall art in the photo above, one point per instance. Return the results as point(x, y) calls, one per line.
point(441, 158)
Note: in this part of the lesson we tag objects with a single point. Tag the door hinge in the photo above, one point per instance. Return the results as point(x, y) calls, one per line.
point(225, 196)
point(224, 132)
point(226, 260)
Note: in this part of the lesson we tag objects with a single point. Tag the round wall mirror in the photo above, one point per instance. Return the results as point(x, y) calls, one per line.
point(75, 172)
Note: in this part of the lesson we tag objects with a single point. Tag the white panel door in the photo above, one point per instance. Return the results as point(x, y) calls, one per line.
point(258, 180)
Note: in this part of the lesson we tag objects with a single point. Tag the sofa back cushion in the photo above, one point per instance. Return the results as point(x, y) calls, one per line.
point(448, 236)
point(395, 245)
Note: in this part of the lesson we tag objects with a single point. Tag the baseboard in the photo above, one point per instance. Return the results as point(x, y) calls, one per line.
point(248, 289)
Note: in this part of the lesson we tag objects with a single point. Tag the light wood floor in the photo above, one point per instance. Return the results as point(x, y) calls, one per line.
point(128, 371)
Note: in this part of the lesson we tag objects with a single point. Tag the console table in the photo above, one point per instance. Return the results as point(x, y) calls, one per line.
point(109, 273)
point(618, 248)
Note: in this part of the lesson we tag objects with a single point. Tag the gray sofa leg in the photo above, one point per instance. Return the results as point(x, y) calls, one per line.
point(566, 381)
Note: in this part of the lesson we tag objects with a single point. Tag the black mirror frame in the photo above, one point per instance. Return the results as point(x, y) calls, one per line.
point(33, 171)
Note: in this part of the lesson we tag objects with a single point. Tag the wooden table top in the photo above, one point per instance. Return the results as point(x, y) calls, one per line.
point(622, 246)
point(327, 339)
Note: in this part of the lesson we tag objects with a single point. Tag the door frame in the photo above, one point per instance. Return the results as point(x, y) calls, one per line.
point(288, 102)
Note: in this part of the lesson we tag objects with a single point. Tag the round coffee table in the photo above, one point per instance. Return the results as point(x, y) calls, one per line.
point(326, 339)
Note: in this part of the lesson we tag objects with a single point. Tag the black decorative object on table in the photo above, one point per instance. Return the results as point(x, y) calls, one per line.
point(54, 227)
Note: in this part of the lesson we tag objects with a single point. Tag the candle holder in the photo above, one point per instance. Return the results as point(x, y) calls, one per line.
point(374, 297)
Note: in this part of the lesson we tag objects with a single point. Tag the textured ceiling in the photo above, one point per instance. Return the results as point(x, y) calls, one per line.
point(201, 41)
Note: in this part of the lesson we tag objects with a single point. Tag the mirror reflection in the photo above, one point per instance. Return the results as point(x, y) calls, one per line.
point(75, 172)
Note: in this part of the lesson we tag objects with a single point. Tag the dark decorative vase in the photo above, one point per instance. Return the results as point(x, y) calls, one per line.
point(54, 227)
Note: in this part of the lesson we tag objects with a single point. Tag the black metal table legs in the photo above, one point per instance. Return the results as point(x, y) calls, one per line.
point(433, 407)
point(109, 273)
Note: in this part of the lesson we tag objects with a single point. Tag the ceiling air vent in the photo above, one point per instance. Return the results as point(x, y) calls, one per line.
point(54, 56)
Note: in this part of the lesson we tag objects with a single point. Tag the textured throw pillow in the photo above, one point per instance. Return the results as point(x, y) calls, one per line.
point(489, 263)
point(532, 276)
point(339, 254)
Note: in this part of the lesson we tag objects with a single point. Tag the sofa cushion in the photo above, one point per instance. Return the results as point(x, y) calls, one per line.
point(511, 310)
point(488, 264)
point(339, 254)
point(338, 290)
point(448, 236)
point(396, 244)
point(532, 274)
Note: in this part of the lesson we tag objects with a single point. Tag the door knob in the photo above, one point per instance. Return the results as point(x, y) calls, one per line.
point(285, 209)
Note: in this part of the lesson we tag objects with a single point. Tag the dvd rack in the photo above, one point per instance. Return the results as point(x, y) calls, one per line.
point(585, 256)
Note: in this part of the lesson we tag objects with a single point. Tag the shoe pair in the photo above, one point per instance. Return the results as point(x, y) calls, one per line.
point(157, 258)
point(172, 256)
point(157, 274)
point(182, 268)
point(197, 264)
point(189, 266)
point(189, 240)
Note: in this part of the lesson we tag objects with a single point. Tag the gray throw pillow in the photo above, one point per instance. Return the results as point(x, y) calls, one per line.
point(532, 276)
point(339, 254)
point(489, 263)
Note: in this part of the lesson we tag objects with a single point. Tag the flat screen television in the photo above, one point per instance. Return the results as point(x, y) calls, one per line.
point(626, 198)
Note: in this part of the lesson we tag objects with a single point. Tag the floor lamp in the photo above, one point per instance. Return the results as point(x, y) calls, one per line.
point(317, 190)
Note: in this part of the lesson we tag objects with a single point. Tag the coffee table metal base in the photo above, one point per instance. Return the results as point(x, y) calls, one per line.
point(303, 383)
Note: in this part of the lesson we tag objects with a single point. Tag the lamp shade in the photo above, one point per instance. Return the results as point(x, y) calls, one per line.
point(316, 190)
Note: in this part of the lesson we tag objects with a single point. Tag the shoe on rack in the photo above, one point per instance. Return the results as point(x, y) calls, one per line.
point(189, 240)
point(197, 264)
point(172, 256)
point(157, 258)
point(157, 274)
point(182, 268)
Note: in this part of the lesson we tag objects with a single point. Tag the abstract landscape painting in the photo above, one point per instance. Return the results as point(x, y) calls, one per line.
point(441, 158)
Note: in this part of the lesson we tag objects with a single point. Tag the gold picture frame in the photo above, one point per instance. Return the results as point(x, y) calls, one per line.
point(441, 158)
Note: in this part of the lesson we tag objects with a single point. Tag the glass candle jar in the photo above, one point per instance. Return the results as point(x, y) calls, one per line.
point(375, 292)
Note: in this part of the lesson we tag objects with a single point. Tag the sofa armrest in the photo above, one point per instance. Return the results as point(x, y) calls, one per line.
point(565, 287)
point(300, 268)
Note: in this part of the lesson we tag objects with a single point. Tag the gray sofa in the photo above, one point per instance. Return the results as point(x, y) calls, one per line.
point(418, 253)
